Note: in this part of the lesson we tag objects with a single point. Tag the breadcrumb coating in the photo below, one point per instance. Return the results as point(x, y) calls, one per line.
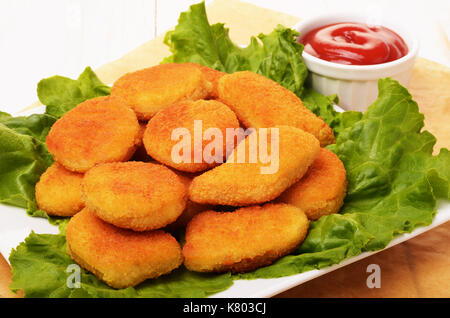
point(213, 114)
point(241, 184)
point(149, 90)
point(260, 102)
point(243, 240)
point(134, 195)
point(121, 258)
point(96, 131)
point(58, 191)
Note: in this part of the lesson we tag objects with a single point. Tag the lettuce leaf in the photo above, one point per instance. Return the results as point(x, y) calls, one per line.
point(23, 158)
point(323, 106)
point(277, 55)
point(61, 94)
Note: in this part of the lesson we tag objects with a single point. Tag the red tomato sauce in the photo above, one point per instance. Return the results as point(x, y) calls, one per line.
point(354, 44)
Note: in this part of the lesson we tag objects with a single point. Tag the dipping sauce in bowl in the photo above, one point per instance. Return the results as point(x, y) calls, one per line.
point(354, 44)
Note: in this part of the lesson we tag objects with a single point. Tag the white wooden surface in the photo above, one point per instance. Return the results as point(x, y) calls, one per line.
point(47, 37)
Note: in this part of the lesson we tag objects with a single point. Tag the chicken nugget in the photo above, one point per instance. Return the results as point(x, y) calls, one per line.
point(121, 258)
point(243, 240)
point(58, 191)
point(213, 76)
point(149, 90)
point(185, 121)
point(260, 102)
point(322, 189)
point(241, 182)
point(98, 130)
point(140, 196)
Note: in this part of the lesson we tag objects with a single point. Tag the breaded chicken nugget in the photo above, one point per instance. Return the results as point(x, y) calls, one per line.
point(167, 129)
point(243, 240)
point(149, 90)
point(140, 196)
point(58, 191)
point(260, 102)
point(322, 189)
point(98, 130)
point(213, 76)
point(239, 183)
point(121, 258)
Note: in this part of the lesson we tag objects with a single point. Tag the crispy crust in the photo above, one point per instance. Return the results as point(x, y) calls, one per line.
point(134, 195)
point(98, 130)
point(241, 184)
point(158, 135)
point(149, 90)
point(58, 191)
point(119, 257)
point(323, 188)
point(260, 102)
point(243, 240)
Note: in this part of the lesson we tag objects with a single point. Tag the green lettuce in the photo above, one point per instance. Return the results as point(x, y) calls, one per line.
point(61, 94)
point(276, 55)
point(23, 157)
point(394, 180)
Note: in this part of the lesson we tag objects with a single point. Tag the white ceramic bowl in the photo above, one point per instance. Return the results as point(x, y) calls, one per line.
point(356, 85)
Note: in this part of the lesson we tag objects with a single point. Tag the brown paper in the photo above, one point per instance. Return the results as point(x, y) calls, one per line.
point(417, 268)
point(430, 88)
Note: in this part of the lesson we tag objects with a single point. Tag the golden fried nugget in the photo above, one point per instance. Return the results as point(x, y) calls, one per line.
point(149, 90)
point(58, 191)
point(322, 189)
point(243, 240)
point(260, 102)
point(121, 258)
point(239, 183)
point(140, 196)
point(189, 117)
point(98, 130)
point(213, 76)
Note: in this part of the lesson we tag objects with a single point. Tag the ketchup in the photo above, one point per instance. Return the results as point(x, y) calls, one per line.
point(354, 44)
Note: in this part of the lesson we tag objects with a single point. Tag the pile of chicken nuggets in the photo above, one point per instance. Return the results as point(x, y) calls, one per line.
point(115, 176)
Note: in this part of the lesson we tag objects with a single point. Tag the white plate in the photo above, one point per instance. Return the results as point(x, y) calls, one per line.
point(16, 225)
